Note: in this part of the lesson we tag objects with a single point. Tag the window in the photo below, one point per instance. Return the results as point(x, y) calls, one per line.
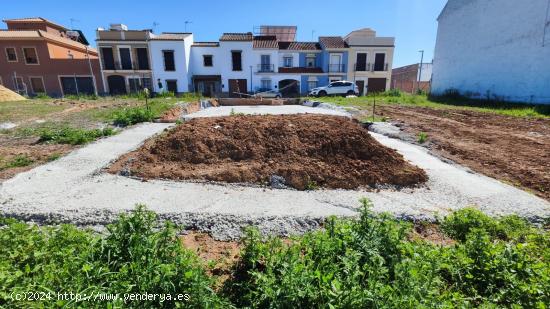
point(146, 82)
point(37, 85)
point(236, 60)
point(380, 62)
point(287, 62)
point(11, 54)
point(169, 63)
point(19, 84)
point(134, 84)
point(30, 55)
point(266, 84)
point(125, 58)
point(311, 84)
point(336, 84)
point(143, 58)
point(77, 85)
point(361, 62)
point(108, 58)
point(310, 60)
point(207, 60)
point(265, 65)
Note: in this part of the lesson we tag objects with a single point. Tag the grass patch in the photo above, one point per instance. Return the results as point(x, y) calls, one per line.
point(400, 98)
point(368, 262)
point(72, 136)
point(20, 110)
point(17, 161)
point(422, 138)
point(53, 157)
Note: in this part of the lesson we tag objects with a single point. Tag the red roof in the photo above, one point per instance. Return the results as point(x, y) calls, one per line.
point(265, 41)
point(333, 42)
point(299, 46)
point(283, 33)
point(242, 37)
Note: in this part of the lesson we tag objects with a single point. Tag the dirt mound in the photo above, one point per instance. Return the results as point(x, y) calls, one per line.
point(8, 95)
point(306, 150)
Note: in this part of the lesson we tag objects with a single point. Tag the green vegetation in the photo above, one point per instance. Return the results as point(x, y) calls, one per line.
point(81, 97)
point(366, 262)
point(137, 255)
point(20, 110)
point(449, 101)
point(53, 157)
point(422, 137)
point(17, 161)
point(72, 136)
point(132, 115)
point(41, 96)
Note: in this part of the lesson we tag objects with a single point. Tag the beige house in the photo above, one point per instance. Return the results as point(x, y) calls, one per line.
point(125, 59)
point(370, 60)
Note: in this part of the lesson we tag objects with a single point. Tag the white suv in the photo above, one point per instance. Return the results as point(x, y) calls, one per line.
point(341, 87)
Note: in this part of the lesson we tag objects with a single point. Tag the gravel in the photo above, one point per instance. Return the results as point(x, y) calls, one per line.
point(74, 189)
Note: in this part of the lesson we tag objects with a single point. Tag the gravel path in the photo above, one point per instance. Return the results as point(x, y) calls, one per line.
point(73, 189)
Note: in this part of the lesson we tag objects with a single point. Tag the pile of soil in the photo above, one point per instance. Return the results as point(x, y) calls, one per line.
point(306, 150)
point(7, 95)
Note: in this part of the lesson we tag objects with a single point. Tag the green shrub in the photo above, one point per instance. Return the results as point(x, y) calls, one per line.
point(133, 115)
point(81, 96)
point(393, 93)
point(41, 95)
point(138, 255)
point(17, 161)
point(165, 94)
point(459, 224)
point(422, 137)
point(68, 135)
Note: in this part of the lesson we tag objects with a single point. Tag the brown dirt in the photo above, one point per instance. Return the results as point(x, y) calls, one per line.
point(307, 150)
point(8, 95)
point(38, 153)
point(512, 149)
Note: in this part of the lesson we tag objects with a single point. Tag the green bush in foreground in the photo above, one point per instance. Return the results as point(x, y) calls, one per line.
point(68, 135)
point(364, 263)
point(370, 263)
point(133, 115)
point(137, 255)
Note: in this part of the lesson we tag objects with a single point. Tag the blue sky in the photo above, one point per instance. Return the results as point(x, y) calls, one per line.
point(412, 22)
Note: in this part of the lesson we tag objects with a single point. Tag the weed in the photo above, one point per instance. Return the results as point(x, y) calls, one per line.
point(311, 185)
point(17, 161)
point(72, 136)
point(81, 96)
point(41, 95)
point(53, 157)
point(132, 115)
point(422, 137)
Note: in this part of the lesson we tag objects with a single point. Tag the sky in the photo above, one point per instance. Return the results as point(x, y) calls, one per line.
point(412, 22)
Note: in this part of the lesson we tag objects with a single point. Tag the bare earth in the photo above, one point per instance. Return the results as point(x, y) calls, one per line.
point(511, 149)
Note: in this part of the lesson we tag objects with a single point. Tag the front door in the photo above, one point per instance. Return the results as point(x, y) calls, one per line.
point(237, 87)
point(117, 84)
point(172, 86)
point(361, 85)
point(377, 85)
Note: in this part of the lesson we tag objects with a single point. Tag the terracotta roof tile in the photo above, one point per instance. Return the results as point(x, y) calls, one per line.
point(333, 42)
point(243, 37)
point(34, 20)
point(299, 46)
point(265, 41)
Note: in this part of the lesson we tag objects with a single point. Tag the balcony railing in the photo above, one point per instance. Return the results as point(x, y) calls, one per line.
point(266, 68)
point(379, 67)
point(362, 67)
point(336, 68)
point(371, 67)
point(117, 66)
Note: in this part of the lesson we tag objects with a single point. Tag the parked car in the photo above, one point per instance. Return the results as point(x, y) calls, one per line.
point(341, 87)
point(268, 93)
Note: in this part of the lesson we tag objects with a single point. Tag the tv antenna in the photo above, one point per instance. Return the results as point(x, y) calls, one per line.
point(186, 23)
point(155, 24)
point(312, 35)
point(72, 21)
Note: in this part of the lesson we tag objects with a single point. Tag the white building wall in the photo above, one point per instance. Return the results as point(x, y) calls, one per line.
point(495, 49)
point(181, 50)
point(258, 76)
point(196, 63)
point(225, 64)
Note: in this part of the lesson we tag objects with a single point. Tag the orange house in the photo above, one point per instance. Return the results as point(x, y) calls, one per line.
point(40, 56)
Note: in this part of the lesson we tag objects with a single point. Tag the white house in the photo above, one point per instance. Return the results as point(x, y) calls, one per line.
point(170, 60)
point(496, 49)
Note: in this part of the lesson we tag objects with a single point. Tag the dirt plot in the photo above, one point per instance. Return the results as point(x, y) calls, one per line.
point(306, 150)
point(512, 149)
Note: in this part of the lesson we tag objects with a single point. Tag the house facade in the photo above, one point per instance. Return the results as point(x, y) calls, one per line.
point(125, 59)
point(483, 52)
point(241, 63)
point(40, 56)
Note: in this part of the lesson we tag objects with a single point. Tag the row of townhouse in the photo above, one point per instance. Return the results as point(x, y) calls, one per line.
point(241, 62)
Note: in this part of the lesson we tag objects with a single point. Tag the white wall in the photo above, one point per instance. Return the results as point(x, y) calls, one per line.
point(286, 53)
point(181, 52)
point(494, 48)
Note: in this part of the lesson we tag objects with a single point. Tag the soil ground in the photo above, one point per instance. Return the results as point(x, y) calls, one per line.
point(515, 150)
point(306, 150)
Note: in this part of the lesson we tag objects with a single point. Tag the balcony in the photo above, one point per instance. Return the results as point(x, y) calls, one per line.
point(336, 68)
point(117, 66)
point(371, 67)
point(379, 67)
point(362, 67)
point(266, 68)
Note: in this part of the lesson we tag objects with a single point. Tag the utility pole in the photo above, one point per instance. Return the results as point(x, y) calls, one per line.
point(420, 70)
point(91, 71)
